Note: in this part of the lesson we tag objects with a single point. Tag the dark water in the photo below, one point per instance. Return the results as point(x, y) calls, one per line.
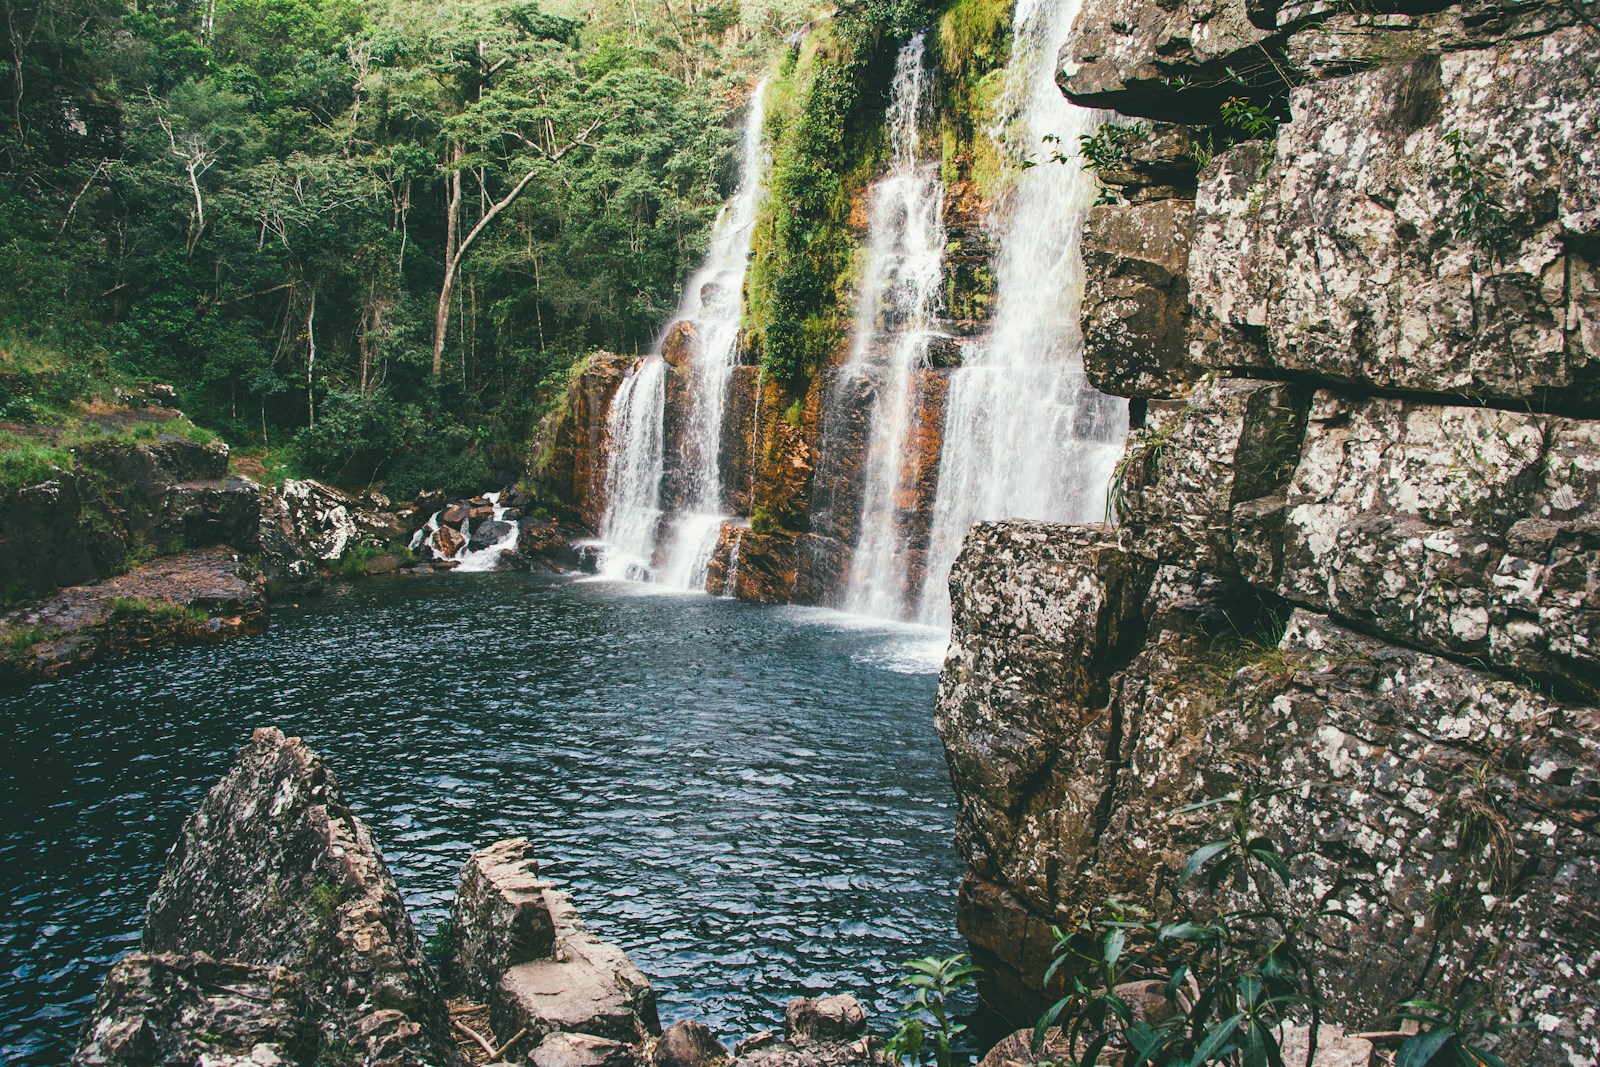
point(752, 801)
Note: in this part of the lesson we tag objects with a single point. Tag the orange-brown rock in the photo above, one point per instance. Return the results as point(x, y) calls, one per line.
point(447, 541)
point(567, 458)
point(679, 345)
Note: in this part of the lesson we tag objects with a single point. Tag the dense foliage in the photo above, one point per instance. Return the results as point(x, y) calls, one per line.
point(825, 122)
point(367, 233)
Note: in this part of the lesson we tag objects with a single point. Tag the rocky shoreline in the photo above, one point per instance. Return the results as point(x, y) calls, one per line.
point(153, 544)
point(276, 936)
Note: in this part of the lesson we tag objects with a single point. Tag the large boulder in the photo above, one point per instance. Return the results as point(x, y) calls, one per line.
point(194, 1011)
point(275, 871)
point(818, 1032)
point(522, 946)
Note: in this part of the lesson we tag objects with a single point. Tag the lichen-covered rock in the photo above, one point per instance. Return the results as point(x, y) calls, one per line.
point(818, 1032)
point(500, 916)
point(1174, 61)
point(1414, 792)
point(1232, 441)
point(1136, 299)
point(194, 1011)
point(274, 869)
point(1039, 611)
point(1425, 225)
point(1468, 530)
point(588, 986)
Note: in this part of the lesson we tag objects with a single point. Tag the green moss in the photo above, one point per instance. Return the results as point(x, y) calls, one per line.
point(971, 48)
point(825, 123)
point(19, 639)
point(353, 564)
point(23, 464)
point(141, 607)
point(761, 520)
point(324, 900)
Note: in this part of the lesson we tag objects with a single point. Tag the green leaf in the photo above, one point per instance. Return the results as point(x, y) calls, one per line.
point(1116, 941)
point(1214, 1041)
point(1227, 798)
point(1200, 858)
point(1420, 1050)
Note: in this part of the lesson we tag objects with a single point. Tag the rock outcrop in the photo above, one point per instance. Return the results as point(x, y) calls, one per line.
point(567, 457)
point(191, 598)
point(1355, 570)
point(276, 879)
point(124, 503)
point(523, 948)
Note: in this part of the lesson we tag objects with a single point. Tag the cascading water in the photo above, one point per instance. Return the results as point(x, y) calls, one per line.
point(643, 540)
point(1025, 434)
point(481, 545)
point(899, 298)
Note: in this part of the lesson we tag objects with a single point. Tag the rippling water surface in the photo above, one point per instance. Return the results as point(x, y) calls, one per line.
point(752, 801)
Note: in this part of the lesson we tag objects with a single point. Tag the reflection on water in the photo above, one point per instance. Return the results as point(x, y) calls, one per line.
point(751, 801)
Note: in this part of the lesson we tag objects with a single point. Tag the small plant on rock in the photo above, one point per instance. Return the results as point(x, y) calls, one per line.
point(1234, 975)
point(1450, 1035)
point(927, 1032)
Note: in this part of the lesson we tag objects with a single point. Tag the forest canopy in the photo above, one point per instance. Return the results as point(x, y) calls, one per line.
point(367, 238)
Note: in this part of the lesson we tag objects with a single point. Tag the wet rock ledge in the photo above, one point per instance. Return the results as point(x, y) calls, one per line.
point(276, 937)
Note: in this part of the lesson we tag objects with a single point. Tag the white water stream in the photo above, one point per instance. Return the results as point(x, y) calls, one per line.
point(894, 319)
point(483, 558)
point(643, 541)
point(1025, 435)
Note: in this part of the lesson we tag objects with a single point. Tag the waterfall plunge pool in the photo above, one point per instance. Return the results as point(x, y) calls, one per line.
point(751, 801)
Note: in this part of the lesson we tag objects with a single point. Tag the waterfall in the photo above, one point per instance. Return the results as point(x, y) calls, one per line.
point(670, 540)
point(894, 319)
point(1025, 435)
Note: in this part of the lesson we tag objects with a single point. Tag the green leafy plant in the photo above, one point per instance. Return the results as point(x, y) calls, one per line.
point(1253, 119)
point(1109, 147)
point(1480, 214)
point(1234, 974)
point(927, 1032)
point(1450, 1035)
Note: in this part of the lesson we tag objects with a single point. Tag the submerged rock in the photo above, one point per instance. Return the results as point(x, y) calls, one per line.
point(274, 871)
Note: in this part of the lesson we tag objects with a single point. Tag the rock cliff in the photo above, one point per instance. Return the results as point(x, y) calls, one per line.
point(1357, 563)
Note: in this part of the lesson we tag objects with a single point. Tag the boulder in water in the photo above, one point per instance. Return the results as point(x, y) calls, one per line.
point(824, 1017)
point(447, 541)
point(490, 533)
point(275, 877)
point(454, 515)
point(688, 1044)
point(818, 1032)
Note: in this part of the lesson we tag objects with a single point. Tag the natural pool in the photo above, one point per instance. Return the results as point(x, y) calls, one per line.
point(751, 800)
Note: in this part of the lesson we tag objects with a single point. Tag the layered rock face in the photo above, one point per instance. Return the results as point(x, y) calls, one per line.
point(567, 457)
point(277, 879)
point(123, 503)
point(1357, 566)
